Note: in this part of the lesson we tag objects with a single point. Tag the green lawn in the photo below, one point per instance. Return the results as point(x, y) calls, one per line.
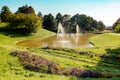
point(11, 69)
point(106, 40)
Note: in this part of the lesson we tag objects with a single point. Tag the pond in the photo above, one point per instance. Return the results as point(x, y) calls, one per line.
point(61, 41)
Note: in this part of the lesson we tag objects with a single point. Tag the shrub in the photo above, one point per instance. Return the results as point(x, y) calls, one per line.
point(113, 52)
point(72, 71)
point(105, 76)
point(90, 73)
point(40, 64)
point(37, 63)
point(25, 24)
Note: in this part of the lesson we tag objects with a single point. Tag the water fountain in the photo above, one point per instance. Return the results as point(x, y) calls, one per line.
point(62, 39)
point(60, 31)
point(77, 29)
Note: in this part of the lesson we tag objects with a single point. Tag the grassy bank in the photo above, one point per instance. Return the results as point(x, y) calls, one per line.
point(10, 67)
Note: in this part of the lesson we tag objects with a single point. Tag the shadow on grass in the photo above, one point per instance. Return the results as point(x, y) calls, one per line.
point(13, 33)
point(110, 63)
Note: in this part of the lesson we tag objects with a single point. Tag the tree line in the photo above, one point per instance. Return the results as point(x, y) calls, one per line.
point(86, 23)
point(25, 20)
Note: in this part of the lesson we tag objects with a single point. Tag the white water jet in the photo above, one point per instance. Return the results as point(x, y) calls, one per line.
point(77, 29)
point(61, 30)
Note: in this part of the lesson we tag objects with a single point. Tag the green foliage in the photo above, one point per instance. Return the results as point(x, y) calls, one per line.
point(39, 14)
point(117, 28)
point(100, 26)
point(5, 14)
point(26, 10)
point(25, 23)
point(49, 23)
point(116, 23)
point(114, 52)
point(58, 18)
point(86, 23)
point(0, 21)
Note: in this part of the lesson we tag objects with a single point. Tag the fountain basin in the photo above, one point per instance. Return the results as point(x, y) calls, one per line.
point(67, 41)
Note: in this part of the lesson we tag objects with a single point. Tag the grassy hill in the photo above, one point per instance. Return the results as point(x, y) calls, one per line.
point(101, 58)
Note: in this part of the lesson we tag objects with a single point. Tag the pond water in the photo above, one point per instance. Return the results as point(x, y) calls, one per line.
point(62, 41)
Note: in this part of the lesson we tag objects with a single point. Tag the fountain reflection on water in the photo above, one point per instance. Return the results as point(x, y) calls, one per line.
point(62, 39)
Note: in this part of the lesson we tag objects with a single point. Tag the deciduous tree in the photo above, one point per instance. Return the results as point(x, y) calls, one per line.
point(117, 28)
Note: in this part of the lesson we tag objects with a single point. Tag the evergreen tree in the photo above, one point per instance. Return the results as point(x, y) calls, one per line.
point(39, 14)
point(5, 14)
point(49, 23)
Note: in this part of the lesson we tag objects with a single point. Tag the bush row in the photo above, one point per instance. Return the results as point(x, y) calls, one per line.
point(40, 64)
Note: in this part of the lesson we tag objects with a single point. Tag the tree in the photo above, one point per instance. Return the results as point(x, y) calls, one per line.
point(74, 22)
point(25, 24)
point(117, 28)
point(5, 14)
point(26, 10)
point(85, 22)
point(66, 17)
point(66, 22)
point(58, 18)
point(93, 25)
point(39, 14)
point(116, 23)
point(100, 26)
point(49, 23)
point(0, 21)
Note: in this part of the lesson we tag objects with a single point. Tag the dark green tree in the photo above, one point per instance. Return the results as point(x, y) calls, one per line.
point(66, 22)
point(93, 25)
point(39, 14)
point(49, 23)
point(74, 22)
point(84, 22)
point(100, 26)
point(26, 10)
point(5, 14)
point(0, 21)
point(58, 18)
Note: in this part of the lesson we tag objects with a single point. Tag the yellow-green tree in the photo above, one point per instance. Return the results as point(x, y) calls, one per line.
point(25, 24)
point(117, 28)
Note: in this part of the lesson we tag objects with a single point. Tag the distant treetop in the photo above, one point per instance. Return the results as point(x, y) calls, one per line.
point(26, 10)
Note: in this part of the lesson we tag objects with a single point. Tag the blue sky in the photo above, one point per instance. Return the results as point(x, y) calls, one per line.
point(104, 10)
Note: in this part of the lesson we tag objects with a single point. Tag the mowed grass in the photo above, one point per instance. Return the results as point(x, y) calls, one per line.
point(106, 40)
point(102, 42)
point(11, 69)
